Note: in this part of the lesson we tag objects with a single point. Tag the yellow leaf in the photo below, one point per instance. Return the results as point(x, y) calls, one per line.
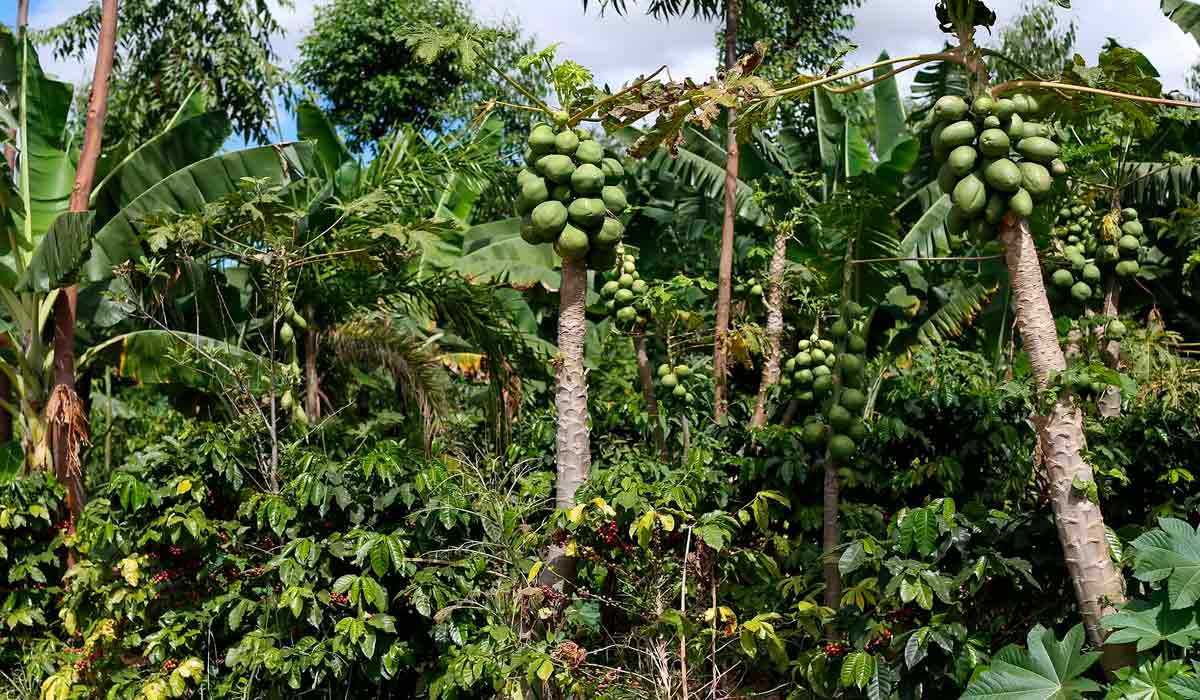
point(545, 670)
point(533, 572)
point(603, 506)
point(130, 570)
point(184, 486)
point(576, 513)
point(571, 549)
point(668, 522)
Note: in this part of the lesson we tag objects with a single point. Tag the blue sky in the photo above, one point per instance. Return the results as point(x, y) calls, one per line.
point(618, 48)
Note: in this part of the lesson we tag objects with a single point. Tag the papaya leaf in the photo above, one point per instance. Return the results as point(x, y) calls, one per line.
point(1048, 669)
point(1148, 623)
point(1172, 552)
point(1185, 14)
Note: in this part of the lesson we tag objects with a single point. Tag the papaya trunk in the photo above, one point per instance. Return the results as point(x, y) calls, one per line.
point(1110, 350)
point(725, 266)
point(65, 412)
point(1099, 587)
point(572, 439)
point(312, 382)
point(770, 373)
point(830, 535)
point(647, 378)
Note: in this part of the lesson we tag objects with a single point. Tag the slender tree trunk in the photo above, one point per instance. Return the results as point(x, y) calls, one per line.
point(1110, 350)
point(647, 377)
point(572, 441)
point(830, 535)
point(771, 356)
point(10, 156)
point(312, 383)
point(725, 270)
point(69, 426)
point(1099, 587)
point(22, 15)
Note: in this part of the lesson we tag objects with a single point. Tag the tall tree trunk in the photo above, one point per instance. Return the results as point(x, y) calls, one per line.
point(1099, 587)
point(771, 355)
point(312, 382)
point(830, 534)
point(725, 269)
point(1109, 403)
point(572, 440)
point(647, 377)
point(68, 422)
point(10, 156)
point(22, 15)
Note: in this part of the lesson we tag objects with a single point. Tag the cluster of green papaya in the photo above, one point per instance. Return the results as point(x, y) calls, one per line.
point(840, 426)
point(749, 288)
point(809, 374)
point(287, 339)
point(571, 195)
point(675, 382)
point(1092, 245)
point(625, 294)
point(994, 160)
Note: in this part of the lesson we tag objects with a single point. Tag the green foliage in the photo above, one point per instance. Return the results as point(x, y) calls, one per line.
point(1047, 669)
point(167, 49)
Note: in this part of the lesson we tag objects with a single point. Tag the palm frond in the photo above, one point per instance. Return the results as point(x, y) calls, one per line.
point(1158, 184)
point(953, 318)
point(373, 342)
point(700, 165)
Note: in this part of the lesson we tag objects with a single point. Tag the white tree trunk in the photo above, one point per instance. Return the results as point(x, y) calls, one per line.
point(1099, 587)
point(771, 354)
point(572, 440)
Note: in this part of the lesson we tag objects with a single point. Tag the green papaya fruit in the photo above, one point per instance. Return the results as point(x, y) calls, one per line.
point(558, 168)
point(623, 297)
point(1128, 244)
point(1091, 273)
point(535, 191)
point(856, 343)
point(851, 363)
point(1021, 203)
point(1036, 179)
point(1038, 149)
point(610, 232)
point(562, 193)
point(587, 212)
point(946, 178)
point(589, 152)
point(549, 219)
point(956, 220)
point(1132, 228)
point(853, 400)
point(822, 384)
point(1080, 291)
point(587, 179)
point(962, 160)
point(1127, 268)
point(286, 334)
point(528, 234)
point(1129, 214)
point(970, 195)
point(957, 134)
point(997, 206)
point(1003, 174)
point(950, 108)
point(572, 243)
point(983, 106)
point(1063, 278)
point(613, 171)
point(524, 176)
point(566, 142)
point(821, 370)
point(991, 122)
point(1005, 108)
point(609, 290)
point(804, 359)
point(627, 314)
point(614, 198)
point(541, 139)
point(814, 434)
point(838, 329)
point(839, 417)
point(1058, 168)
point(1016, 128)
point(1115, 330)
point(841, 447)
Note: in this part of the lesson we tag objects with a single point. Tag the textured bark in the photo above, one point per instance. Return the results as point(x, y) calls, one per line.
point(572, 440)
point(770, 373)
point(830, 535)
point(64, 436)
point(789, 414)
point(1099, 587)
point(725, 268)
point(312, 382)
point(647, 378)
point(1109, 403)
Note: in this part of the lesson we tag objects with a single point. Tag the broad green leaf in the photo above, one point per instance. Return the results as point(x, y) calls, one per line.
point(1184, 13)
point(925, 530)
point(1153, 680)
point(857, 669)
point(889, 112)
point(954, 317)
point(1150, 623)
point(830, 133)
point(1171, 552)
point(495, 253)
point(60, 254)
point(313, 125)
point(121, 239)
point(1047, 670)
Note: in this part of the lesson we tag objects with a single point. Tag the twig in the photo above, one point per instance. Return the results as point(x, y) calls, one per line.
point(517, 86)
point(1049, 85)
point(586, 111)
point(922, 58)
point(683, 671)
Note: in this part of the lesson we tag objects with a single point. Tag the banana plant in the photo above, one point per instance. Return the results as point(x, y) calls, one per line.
point(47, 247)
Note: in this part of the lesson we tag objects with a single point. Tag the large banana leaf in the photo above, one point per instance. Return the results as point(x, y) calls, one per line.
point(1185, 14)
point(831, 130)
point(47, 170)
point(494, 252)
point(60, 254)
point(890, 119)
point(1160, 184)
point(181, 144)
point(700, 163)
point(121, 238)
point(342, 169)
point(170, 357)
